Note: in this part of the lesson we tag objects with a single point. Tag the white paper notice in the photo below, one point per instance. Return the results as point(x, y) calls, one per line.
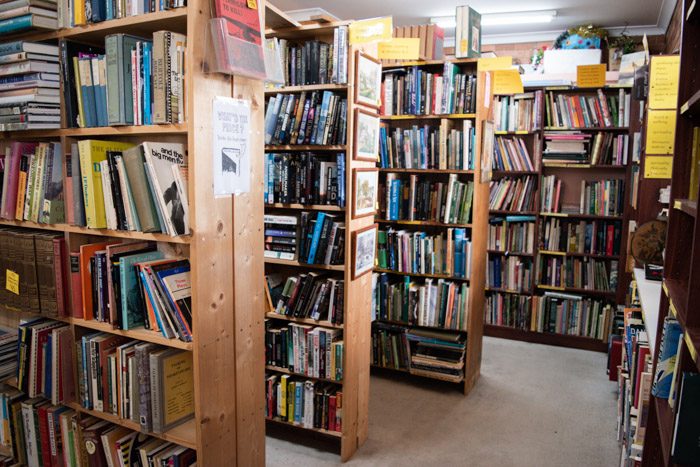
point(231, 146)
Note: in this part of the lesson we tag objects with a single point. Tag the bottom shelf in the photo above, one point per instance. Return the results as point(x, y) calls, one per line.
point(560, 340)
point(418, 373)
point(334, 434)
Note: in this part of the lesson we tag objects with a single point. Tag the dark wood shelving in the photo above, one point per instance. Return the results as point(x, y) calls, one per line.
point(560, 340)
point(577, 290)
point(423, 223)
point(578, 255)
point(580, 216)
point(416, 274)
point(591, 128)
point(418, 326)
point(692, 106)
point(507, 212)
point(687, 206)
point(510, 253)
point(427, 171)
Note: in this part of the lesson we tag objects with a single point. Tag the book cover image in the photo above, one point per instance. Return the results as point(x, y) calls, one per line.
point(160, 157)
point(242, 21)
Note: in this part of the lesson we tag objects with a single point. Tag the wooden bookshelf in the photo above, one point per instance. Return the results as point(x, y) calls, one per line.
point(357, 291)
point(224, 249)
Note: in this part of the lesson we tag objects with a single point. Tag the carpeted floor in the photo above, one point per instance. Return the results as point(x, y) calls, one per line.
point(534, 405)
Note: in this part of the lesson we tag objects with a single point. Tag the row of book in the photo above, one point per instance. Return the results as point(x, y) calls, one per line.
point(512, 234)
point(307, 295)
point(519, 112)
point(305, 178)
point(413, 91)
point(100, 184)
point(511, 273)
point(572, 315)
point(511, 154)
point(74, 13)
point(588, 110)
point(432, 38)
point(574, 147)
point(306, 403)
point(588, 237)
point(508, 309)
point(17, 16)
point(306, 350)
point(8, 352)
point(416, 252)
point(38, 432)
point(579, 273)
point(138, 381)
point(320, 238)
point(426, 200)
point(316, 62)
point(317, 118)
point(432, 303)
point(603, 197)
point(429, 353)
point(29, 85)
point(512, 194)
point(428, 147)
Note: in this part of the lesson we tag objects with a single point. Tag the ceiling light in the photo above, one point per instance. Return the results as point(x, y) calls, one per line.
point(500, 19)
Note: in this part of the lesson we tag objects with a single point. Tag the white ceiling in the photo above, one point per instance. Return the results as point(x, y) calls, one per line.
point(641, 16)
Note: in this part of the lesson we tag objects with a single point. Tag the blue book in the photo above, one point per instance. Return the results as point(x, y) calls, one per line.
point(395, 199)
point(99, 10)
point(147, 112)
point(298, 391)
point(459, 253)
point(17, 23)
point(317, 137)
point(87, 91)
point(340, 162)
point(273, 108)
point(316, 236)
point(416, 97)
point(132, 309)
point(154, 304)
point(668, 352)
point(100, 91)
point(176, 285)
point(109, 13)
point(520, 218)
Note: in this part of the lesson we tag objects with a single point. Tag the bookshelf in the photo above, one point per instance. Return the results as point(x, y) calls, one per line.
point(680, 284)
point(354, 328)
point(444, 165)
point(511, 312)
point(223, 248)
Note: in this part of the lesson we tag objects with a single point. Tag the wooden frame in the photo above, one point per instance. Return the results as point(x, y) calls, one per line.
point(358, 153)
point(372, 72)
point(364, 211)
point(355, 239)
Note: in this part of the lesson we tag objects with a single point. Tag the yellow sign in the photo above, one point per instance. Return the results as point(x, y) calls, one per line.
point(661, 128)
point(663, 82)
point(590, 76)
point(252, 4)
point(507, 82)
point(494, 63)
point(371, 30)
point(658, 166)
point(399, 48)
point(12, 281)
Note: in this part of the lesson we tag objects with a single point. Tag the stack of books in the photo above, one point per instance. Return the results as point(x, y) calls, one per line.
point(316, 62)
point(569, 147)
point(520, 112)
point(280, 237)
point(572, 315)
point(512, 194)
point(588, 110)
point(437, 354)
point(322, 238)
point(511, 154)
point(17, 16)
point(305, 178)
point(29, 84)
point(512, 234)
point(310, 295)
point(75, 13)
point(507, 309)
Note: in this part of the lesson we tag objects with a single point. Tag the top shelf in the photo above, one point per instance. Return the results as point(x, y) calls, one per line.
point(458, 61)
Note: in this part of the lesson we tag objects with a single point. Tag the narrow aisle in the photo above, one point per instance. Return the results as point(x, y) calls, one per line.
point(534, 405)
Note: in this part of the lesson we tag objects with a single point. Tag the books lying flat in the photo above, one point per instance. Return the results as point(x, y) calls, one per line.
point(311, 295)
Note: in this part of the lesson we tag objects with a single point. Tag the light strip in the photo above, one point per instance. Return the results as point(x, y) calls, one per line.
point(502, 19)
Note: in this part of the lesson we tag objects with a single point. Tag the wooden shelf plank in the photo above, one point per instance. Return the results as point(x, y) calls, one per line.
point(305, 207)
point(279, 369)
point(304, 147)
point(510, 253)
point(308, 87)
point(297, 264)
point(687, 206)
point(507, 212)
point(579, 216)
point(458, 61)
point(111, 131)
point(515, 132)
point(591, 128)
point(99, 232)
point(576, 290)
point(427, 117)
point(324, 324)
point(692, 105)
point(561, 340)
point(427, 171)
point(563, 165)
point(577, 255)
point(419, 326)
point(513, 173)
point(423, 223)
point(172, 20)
point(508, 291)
point(334, 434)
point(415, 274)
point(138, 334)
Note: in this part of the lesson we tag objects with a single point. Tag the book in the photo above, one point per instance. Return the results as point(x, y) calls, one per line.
point(467, 33)
point(172, 389)
point(305, 350)
point(684, 449)
point(170, 198)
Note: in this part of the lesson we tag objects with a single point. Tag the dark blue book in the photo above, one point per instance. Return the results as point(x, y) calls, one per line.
point(686, 433)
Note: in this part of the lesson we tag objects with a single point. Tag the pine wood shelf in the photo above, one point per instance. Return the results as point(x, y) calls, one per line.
point(576, 290)
point(427, 171)
point(428, 117)
point(457, 61)
point(323, 324)
point(577, 255)
point(507, 212)
point(513, 173)
point(421, 326)
point(590, 128)
point(508, 291)
point(546, 165)
point(580, 216)
point(334, 434)
point(279, 369)
point(307, 88)
point(515, 132)
point(304, 147)
point(297, 264)
point(305, 207)
point(107, 131)
point(137, 334)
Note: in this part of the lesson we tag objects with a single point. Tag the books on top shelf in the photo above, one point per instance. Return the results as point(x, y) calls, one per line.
point(428, 147)
point(433, 303)
point(414, 91)
point(511, 273)
point(512, 194)
point(507, 309)
point(519, 112)
point(587, 237)
point(411, 199)
point(575, 147)
point(315, 118)
point(599, 109)
point(21, 15)
point(307, 295)
point(305, 178)
point(572, 315)
point(75, 13)
point(305, 403)
point(579, 273)
point(511, 154)
point(316, 62)
point(512, 234)
point(29, 86)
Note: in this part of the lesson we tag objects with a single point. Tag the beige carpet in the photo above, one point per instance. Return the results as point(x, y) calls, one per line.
point(534, 405)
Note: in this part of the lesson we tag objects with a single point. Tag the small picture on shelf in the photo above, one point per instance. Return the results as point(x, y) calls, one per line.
point(364, 243)
point(487, 152)
point(368, 80)
point(366, 136)
point(365, 185)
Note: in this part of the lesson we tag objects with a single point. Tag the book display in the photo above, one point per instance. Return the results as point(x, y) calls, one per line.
point(127, 276)
point(321, 136)
point(557, 262)
point(429, 274)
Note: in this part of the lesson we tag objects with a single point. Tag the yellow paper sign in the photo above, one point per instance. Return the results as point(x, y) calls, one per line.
point(12, 281)
point(590, 76)
point(399, 48)
point(371, 30)
point(663, 82)
point(494, 63)
point(658, 166)
point(661, 129)
point(252, 4)
point(507, 82)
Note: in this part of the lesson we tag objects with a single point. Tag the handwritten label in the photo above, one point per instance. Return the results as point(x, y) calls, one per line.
point(494, 63)
point(371, 30)
point(661, 129)
point(12, 281)
point(590, 76)
point(663, 82)
point(507, 82)
point(658, 166)
point(399, 48)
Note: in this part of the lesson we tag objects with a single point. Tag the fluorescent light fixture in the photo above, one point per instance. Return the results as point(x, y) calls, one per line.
point(502, 19)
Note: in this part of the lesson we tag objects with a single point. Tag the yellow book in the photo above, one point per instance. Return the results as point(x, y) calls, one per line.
point(91, 153)
point(21, 191)
point(177, 388)
point(78, 92)
point(694, 165)
point(79, 16)
point(291, 395)
point(38, 189)
point(283, 397)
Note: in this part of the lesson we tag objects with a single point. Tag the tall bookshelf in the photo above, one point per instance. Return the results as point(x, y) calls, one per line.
point(520, 325)
point(681, 286)
point(355, 325)
point(475, 230)
point(223, 248)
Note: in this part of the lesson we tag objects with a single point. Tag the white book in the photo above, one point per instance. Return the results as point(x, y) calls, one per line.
point(159, 157)
point(110, 212)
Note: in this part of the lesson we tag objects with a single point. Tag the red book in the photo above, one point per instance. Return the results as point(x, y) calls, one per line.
point(44, 441)
point(610, 240)
point(12, 161)
point(76, 286)
point(242, 21)
point(331, 413)
point(614, 357)
point(642, 352)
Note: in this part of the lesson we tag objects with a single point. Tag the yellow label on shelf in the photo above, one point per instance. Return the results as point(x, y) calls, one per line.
point(684, 108)
point(494, 63)
point(371, 30)
point(691, 347)
point(590, 76)
point(677, 204)
point(12, 281)
point(399, 48)
point(663, 82)
point(507, 82)
point(661, 131)
point(252, 4)
point(658, 166)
